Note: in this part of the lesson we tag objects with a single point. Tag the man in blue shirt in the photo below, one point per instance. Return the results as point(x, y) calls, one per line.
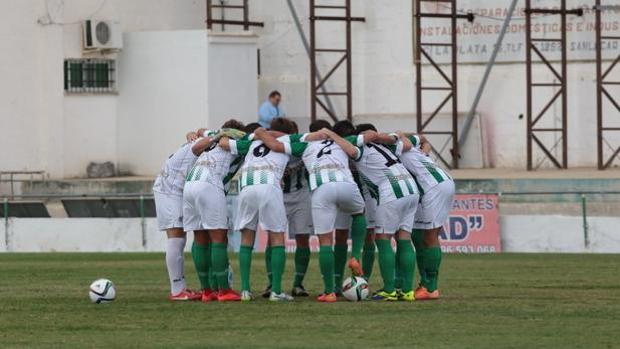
point(270, 109)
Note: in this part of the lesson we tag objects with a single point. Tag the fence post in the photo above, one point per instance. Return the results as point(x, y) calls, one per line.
point(142, 221)
point(586, 237)
point(5, 211)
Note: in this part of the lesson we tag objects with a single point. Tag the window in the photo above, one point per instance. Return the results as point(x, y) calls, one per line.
point(90, 75)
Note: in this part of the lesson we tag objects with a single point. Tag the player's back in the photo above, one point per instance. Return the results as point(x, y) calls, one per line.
point(326, 162)
point(171, 179)
point(384, 173)
point(212, 166)
point(262, 165)
point(427, 173)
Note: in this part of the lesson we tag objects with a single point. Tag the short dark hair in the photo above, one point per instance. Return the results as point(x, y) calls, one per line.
point(274, 93)
point(295, 127)
point(365, 127)
point(232, 123)
point(250, 128)
point(344, 128)
point(319, 124)
point(282, 125)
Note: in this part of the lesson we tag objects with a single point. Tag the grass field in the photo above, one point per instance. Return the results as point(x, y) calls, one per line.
point(489, 301)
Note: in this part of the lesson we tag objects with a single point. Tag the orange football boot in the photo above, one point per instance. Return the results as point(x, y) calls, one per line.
point(422, 294)
point(185, 295)
point(228, 296)
point(327, 298)
point(208, 295)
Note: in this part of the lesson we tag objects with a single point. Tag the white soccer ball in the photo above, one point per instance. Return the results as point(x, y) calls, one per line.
point(102, 291)
point(355, 289)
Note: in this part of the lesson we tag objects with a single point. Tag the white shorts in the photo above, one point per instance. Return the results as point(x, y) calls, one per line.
point(169, 210)
point(435, 206)
point(334, 202)
point(343, 220)
point(396, 215)
point(298, 212)
point(261, 204)
point(204, 207)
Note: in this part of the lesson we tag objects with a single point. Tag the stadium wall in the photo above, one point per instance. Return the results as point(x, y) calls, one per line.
point(519, 233)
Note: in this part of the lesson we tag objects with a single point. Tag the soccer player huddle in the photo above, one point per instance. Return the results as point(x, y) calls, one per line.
point(337, 182)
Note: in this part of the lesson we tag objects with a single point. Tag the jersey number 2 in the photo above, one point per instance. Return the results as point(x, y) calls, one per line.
point(325, 150)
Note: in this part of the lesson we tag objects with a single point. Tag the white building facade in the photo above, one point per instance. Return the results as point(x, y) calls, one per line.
point(171, 76)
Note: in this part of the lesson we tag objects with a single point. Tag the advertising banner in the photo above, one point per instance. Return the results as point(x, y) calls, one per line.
point(476, 40)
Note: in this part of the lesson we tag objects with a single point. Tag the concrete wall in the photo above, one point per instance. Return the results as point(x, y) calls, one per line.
point(383, 80)
point(163, 94)
point(519, 233)
point(48, 130)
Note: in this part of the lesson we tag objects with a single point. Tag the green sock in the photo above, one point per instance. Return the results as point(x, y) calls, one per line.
point(418, 241)
point(268, 263)
point(398, 277)
point(340, 260)
point(326, 264)
point(218, 260)
point(201, 254)
point(358, 235)
point(368, 259)
point(406, 260)
point(278, 260)
point(432, 260)
point(386, 264)
point(245, 264)
point(302, 259)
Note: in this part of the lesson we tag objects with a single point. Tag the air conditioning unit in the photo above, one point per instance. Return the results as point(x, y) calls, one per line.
point(99, 35)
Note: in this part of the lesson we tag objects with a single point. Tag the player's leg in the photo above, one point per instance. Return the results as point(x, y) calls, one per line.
point(169, 211)
point(219, 258)
point(278, 262)
point(246, 222)
point(436, 208)
point(392, 219)
point(326, 264)
point(201, 255)
point(299, 216)
point(341, 249)
point(245, 262)
point(267, 291)
point(350, 200)
point(302, 260)
point(368, 254)
point(175, 264)
point(272, 218)
point(324, 211)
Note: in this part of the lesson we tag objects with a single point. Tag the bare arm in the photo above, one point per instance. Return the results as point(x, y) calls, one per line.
point(269, 140)
point(225, 143)
point(351, 150)
point(315, 136)
point(202, 145)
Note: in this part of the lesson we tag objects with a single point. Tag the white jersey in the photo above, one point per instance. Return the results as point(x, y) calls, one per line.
point(171, 179)
point(426, 172)
point(383, 172)
point(264, 166)
point(217, 165)
point(326, 162)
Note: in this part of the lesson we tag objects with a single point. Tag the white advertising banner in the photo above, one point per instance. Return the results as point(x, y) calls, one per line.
point(476, 40)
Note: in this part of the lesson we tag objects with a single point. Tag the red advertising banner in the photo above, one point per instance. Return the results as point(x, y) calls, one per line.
point(473, 225)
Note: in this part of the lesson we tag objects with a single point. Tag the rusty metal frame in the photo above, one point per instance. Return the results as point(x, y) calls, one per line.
point(602, 93)
point(246, 23)
point(451, 80)
point(316, 82)
point(562, 93)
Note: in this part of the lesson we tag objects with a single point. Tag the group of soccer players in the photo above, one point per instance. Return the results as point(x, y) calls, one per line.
point(337, 182)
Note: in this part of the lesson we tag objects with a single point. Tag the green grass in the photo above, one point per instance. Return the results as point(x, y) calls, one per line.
point(488, 301)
